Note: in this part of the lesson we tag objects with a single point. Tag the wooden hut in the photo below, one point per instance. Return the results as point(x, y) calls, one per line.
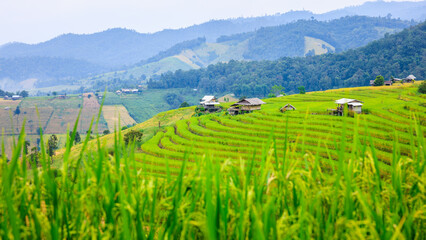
point(16, 97)
point(353, 106)
point(287, 107)
point(388, 83)
point(245, 105)
point(410, 78)
point(396, 80)
point(209, 103)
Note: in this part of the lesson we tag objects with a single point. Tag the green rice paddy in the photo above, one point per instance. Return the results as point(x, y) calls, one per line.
point(265, 175)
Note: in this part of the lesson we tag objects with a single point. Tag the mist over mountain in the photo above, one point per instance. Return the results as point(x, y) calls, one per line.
point(118, 48)
point(52, 71)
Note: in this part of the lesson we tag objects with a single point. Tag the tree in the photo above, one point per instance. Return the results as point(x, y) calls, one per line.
point(422, 88)
point(271, 95)
point(301, 90)
point(77, 138)
point(379, 81)
point(133, 136)
point(24, 94)
point(173, 99)
point(184, 104)
point(89, 96)
point(52, 145)
point(106, 132)
point(277, 90)
point(54, 93)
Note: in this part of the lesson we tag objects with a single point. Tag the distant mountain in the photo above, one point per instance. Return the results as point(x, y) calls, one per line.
point(297, 39)
point(15, 72)
point(395, 55)
point(404, 10)
point(118, 47)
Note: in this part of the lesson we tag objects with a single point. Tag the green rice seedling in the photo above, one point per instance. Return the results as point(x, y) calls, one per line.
point(226, 178)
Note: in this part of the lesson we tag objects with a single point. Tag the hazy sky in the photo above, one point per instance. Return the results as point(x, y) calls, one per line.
point(32, 21)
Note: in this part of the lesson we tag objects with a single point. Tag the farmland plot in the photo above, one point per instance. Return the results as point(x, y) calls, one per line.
point(112, 115)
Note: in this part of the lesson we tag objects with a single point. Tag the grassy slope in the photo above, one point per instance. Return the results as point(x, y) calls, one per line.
point(316, 45)
point(389, 109)
point(149, 127)
point(310, 128)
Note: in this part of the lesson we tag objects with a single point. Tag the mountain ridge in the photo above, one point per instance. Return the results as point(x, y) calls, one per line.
point(129, 51)
point(395, 55)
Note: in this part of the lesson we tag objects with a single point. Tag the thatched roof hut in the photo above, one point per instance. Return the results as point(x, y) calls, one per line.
point(411, 77)
point(249, 102)
point(287, 107)
point(245, 105)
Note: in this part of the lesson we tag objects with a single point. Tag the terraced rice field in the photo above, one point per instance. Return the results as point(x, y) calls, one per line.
point(265, 175)
point(390, 113)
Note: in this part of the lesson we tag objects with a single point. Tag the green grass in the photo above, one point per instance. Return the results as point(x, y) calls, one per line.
point(264, 175)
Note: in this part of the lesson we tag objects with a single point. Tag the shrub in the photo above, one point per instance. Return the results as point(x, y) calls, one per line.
point(184, 104)
point(133, 135)
point(422, 88)
point(379, 81)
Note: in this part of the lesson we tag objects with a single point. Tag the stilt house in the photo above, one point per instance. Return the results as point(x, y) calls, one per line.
point(245, 106)
point(353, 105)
point(209, 103)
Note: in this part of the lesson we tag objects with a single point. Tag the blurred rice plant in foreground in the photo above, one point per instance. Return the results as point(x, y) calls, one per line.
point(103, 193)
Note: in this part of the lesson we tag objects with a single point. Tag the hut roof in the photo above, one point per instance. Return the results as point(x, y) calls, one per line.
point(289, 105)
point(411, 77)
point(249, 102)
point(355, 104)
point(346, 100)
point(207, 98)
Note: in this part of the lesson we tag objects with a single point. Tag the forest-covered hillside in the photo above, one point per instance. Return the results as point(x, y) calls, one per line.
point(297, 39)
point(395, 55)
point(53, 71)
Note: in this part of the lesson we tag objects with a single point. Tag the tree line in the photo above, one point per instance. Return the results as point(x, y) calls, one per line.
point(9, 94)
